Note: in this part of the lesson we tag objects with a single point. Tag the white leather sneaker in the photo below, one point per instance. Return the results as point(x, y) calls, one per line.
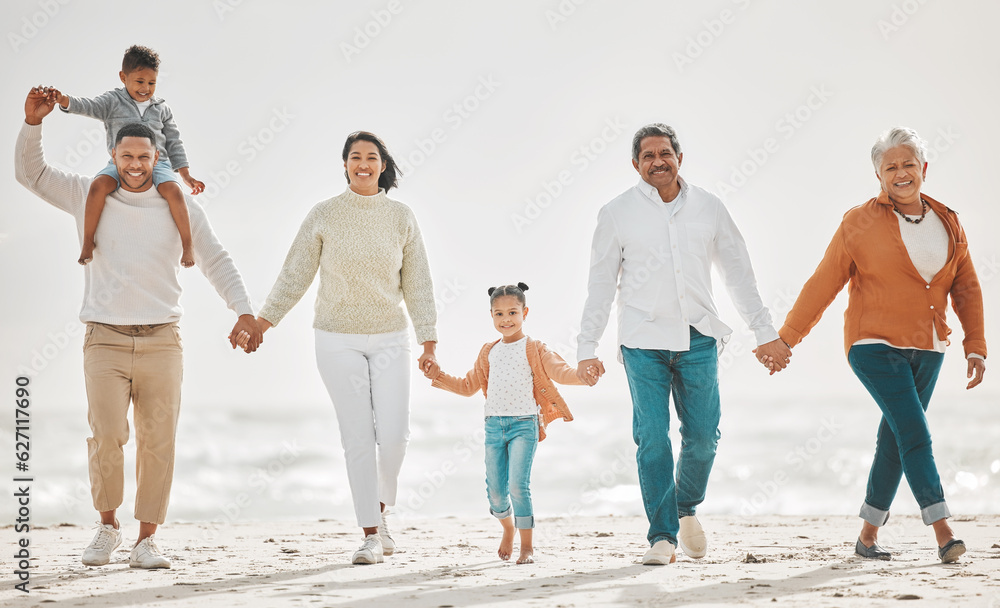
point(388, 544)
point(370, 551)
point(660, 554)
point(691, 537)
point(107, 539)
point(147, 555)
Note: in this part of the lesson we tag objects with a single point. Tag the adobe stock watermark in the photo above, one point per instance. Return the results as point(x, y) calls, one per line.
point(436, 478)
point(987, 269)
point(454, 117)
point(370, 30)
point(942, 141)
point(29, 26)
point(786, 126)
point(579, 160)
point(714, 28)
point(223, 8)
point(796, 458)
point(248, 150)
point(898, 17)
point(562, 12)
point(898, 529)
point(607, 478)
point(392, 351)
point(92, 139)
point(57, 341)
point(257, 482)
point(742, 344)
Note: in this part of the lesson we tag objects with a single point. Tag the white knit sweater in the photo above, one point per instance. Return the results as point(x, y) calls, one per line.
point(132, 279)
point(370, 258)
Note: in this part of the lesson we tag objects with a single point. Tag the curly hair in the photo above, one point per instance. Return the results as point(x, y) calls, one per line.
point(139, 57)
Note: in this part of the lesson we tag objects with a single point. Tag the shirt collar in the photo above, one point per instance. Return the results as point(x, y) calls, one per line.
point(653, 195)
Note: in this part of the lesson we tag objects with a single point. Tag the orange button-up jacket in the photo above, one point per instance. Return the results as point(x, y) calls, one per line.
point(888, 299)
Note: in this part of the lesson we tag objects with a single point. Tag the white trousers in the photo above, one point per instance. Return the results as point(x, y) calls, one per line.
point(368, 378)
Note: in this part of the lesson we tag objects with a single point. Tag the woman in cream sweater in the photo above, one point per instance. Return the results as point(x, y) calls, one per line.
point(371, 258)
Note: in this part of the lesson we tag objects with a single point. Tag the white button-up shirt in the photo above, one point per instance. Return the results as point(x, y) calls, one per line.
point(658, 258)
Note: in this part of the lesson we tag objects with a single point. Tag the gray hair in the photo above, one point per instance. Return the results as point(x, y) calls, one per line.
point(898, 136)
point(656, 129)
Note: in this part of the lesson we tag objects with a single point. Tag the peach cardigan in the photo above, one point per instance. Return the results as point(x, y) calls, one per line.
point(546, 366)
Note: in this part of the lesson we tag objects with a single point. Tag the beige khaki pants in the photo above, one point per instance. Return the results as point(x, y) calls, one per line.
point(141, 364)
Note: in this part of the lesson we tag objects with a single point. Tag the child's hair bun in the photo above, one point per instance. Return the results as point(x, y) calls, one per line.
point(522, 286)
point(490, 291)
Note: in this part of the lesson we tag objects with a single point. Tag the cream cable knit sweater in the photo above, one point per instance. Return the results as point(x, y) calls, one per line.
point(370, 259)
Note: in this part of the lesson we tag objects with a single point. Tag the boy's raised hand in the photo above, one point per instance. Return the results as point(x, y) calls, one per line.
point(594, 374)
point(197, 186)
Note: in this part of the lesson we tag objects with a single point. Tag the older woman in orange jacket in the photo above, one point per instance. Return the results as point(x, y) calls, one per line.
point(902, 254)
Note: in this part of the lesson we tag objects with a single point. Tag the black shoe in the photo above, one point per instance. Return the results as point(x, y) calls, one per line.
point(950, 552)
point(876, 552)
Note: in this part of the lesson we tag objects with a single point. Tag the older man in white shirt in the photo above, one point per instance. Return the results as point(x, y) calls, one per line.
point(655, 245)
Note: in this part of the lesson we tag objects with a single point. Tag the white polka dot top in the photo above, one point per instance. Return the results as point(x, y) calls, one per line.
point(511, 382)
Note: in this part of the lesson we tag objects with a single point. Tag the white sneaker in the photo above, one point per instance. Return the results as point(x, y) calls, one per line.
point(388, 545)
point(147, 555)
point(660, 554)
point(107, 539)
point(370, 552)
point(691, 538)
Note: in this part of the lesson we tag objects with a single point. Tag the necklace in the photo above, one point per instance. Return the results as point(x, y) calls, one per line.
point(923, 213)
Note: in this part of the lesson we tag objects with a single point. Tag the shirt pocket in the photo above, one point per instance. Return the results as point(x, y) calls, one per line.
point(699, 239)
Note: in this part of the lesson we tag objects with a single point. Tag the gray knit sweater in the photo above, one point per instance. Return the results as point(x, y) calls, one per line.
point(116, 109)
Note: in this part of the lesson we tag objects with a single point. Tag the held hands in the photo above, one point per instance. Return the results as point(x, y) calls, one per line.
point(433, 370)
point(40, 101)
point(589, 371)
point(977, 367)
point(775, 355)
point(197, 186)
point(248, 333)
point(425, 360)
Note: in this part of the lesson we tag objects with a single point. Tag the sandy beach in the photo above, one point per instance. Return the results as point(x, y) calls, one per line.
point(586, 561)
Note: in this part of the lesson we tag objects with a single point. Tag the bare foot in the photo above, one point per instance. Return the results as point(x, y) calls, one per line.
point(507, 541)
point(527, 556)
point(86, 254)
point(187, 258)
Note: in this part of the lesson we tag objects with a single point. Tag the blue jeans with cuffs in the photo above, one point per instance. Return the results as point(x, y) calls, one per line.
point(510, 450)
point(901, 380)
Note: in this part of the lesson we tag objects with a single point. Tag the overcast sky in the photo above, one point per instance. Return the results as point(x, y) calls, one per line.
point(514, 122)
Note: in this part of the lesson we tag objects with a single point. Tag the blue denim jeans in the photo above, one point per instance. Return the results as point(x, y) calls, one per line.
point(692, 378)
point(510, 450)
point(901, 380)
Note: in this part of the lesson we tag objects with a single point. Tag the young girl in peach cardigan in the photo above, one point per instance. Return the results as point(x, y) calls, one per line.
point(516, 376)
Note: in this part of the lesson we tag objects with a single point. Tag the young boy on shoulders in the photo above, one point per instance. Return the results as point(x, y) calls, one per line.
point(135, 102)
